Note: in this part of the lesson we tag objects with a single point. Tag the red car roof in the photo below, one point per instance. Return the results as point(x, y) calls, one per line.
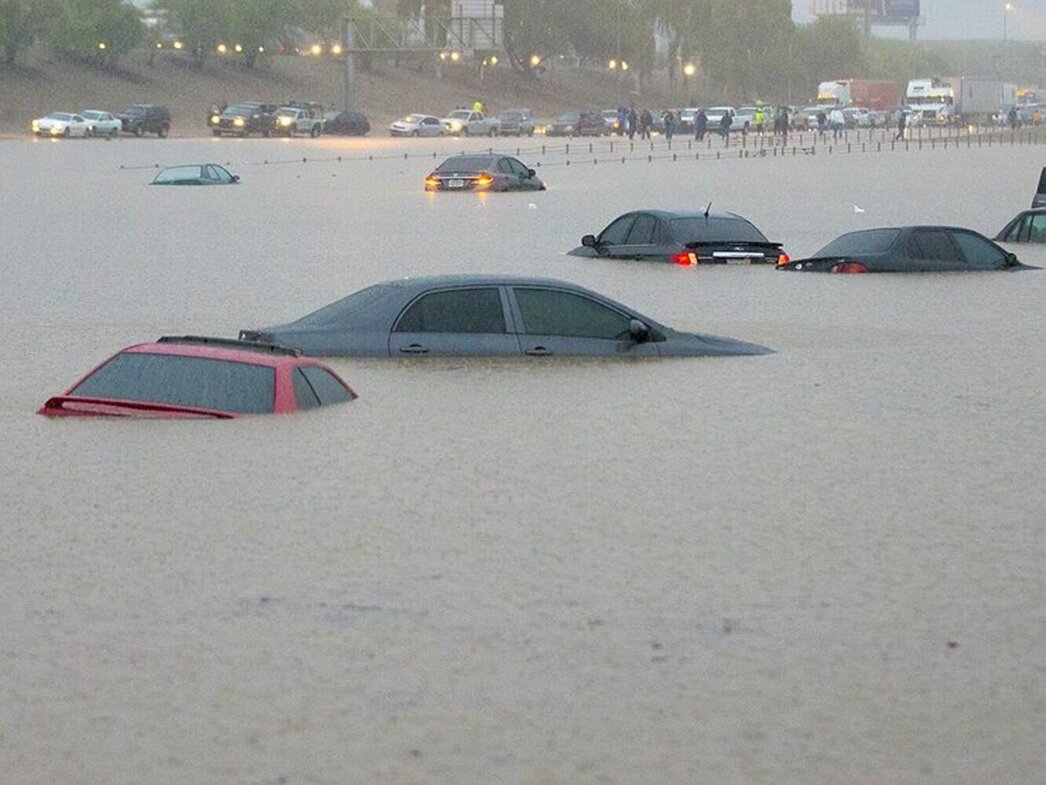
point(248, 356)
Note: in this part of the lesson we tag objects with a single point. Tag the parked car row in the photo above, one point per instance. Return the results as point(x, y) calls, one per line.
point(465, 122)
point(290, 119)
point(137, 119)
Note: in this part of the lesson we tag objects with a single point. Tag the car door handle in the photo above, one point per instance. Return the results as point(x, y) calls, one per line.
point(414, 348)
point(538, 351)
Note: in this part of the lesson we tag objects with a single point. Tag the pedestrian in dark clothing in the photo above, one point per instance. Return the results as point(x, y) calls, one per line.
point(902, 120)
point(1013, 117)
point(822, 123)
point(669, 119)
point(633, 120)
point(646, 122)
point(782, 114)
point(724, 127)
point(700, 125)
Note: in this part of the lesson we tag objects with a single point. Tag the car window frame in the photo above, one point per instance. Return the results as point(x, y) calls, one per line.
point(953, 233)
point(914, 237)
point(631, 217)
point(520, 321)
point(653, 234)
point(305, 384)
point(502, 298)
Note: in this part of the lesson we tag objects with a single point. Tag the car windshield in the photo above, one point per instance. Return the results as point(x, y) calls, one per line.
point(870, 241)
point(413, 118)
point(466, 163)
point(199, 382)
point(60, 116)
point(91, 115)
point(178, 173)
point(569, 117)
point(460, 114)
point(352, 304)
point(240, 109)
point(715, 229)
point(133, 110)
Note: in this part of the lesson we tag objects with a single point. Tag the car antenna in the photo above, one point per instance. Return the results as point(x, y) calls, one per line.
point(709, 207)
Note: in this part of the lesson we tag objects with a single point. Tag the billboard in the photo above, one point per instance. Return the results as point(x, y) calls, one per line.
point(880, 10)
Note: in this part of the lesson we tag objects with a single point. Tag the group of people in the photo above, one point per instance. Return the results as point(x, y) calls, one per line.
point(630, 123)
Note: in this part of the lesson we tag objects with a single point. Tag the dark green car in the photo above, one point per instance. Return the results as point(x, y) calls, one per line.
point(195, 174)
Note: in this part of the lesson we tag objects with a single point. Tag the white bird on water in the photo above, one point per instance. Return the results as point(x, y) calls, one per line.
point(858, 209)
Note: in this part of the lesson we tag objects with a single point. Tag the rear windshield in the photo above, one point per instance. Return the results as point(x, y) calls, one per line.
point(353, 304)
point(872, 241)
point(184, 381)
point(701, 229)
point(466, 163)
point(178, 173)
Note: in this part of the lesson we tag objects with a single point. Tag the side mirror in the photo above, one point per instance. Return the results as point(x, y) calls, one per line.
point(531, 173)
point(589, 241)
point(236, 178)
point(639, 331)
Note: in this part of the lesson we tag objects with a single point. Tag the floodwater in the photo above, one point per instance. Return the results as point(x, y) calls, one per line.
point(819, 566)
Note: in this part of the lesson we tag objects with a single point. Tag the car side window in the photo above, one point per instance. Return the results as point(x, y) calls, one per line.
point(328, 389)
point(642, 232)
point(307, 398)
point(505, 166)
point(1036, 228)
point(1017, 230)
point(978, 251)
point(455, 311)
point(935, 245)
point(518, 168)
point(555, 312)
point(616, 233)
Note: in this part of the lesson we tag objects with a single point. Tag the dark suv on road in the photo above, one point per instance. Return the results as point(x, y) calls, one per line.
point(146, 119)
point(243, 119)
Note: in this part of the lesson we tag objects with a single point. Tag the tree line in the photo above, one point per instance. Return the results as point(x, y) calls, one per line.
point(738, 50)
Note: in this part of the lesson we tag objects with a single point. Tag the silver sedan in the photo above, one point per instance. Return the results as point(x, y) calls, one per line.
point(487, 316)
point(417, 125)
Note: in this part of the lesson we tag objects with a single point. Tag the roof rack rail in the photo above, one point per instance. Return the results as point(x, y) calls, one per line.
point(230, 343)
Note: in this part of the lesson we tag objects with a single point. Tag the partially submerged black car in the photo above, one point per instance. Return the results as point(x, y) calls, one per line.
point(483, 172)
point(348, 123)
point(906, 249)
point(1027, 227)
point(684, 238)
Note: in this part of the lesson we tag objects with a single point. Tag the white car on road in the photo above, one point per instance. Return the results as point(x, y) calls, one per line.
point(61, 124)
point(417, 125)
point(102, 123)
point(470, 123)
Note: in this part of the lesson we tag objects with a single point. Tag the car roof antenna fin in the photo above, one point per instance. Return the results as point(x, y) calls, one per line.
point(707, 210)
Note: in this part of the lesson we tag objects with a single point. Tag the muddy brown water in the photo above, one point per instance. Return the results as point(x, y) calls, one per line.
point(819, 566)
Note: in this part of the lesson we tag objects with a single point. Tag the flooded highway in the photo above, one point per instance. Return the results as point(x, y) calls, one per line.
point(823, 565)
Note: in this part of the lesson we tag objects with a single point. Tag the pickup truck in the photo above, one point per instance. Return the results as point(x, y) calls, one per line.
point(291, 120)
point(470, 123)
point(741, 121)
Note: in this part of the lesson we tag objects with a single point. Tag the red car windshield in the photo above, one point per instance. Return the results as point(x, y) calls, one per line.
point(180, 380)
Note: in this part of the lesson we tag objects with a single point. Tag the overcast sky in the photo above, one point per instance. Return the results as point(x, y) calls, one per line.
point(967, 18)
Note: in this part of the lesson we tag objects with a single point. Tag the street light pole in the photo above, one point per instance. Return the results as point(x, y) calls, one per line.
point(1006, 9)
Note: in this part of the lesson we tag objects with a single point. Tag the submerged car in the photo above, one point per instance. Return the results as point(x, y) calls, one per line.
point(907, 249)
point(1028, 227)
point(196, 377)
point(417, 125)
point(487, 316)
point(63, 124)
point(682, 237)
point(195, 174)
point(483, 173)
point(348, 123)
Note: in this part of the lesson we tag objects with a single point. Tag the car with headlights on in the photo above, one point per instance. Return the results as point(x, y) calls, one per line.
point(244, 119)
point(180, 377)
point(141, 119)
point(63, 124)
point(417, 125)
point(346, 123)
point(908, 249)
point(682, 237)
point(195, 174)
point(487, 316)
point(483, 172)
point(102, 123)
point(470, 123)
point(291, 120)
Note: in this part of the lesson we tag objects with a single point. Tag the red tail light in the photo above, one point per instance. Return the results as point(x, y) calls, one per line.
point(783, 259)
point(848, 267)
point(685, 258)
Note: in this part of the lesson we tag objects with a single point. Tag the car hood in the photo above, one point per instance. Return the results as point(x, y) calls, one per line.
point(681, 344)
